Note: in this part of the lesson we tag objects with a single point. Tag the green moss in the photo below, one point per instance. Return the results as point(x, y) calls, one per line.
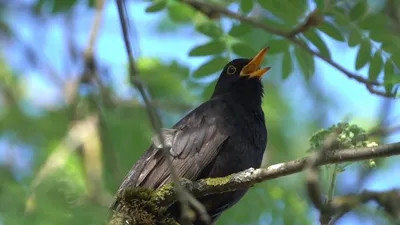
point(218, 181)
point(165, 190)
point(138, 207)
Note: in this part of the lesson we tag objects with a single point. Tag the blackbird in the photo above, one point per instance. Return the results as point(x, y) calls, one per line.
point(224, 135)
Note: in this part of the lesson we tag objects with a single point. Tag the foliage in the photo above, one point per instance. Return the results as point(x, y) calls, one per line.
point(61, 162)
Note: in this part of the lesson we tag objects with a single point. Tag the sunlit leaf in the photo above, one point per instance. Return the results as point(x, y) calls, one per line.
point(381, 36)
point(320, 4)
point(306, 62)
point(213, 47)
point(388, 75)
point(180, 12)
point(390, 81)
point(339, 15)
point(354, 38)
point(364, 54)
point(373, 22)
point(244, 50)
point(278, 46)
point(246, 5)
point(375, 66)
point(313, 36)
point(213, 65)
point(359, 10)
point(62, 5)
point(287, 65)
point(287, 11)
point(210, 29)
point(240, 30)
point(156, 6)
point(331, 31)
point(396, 59)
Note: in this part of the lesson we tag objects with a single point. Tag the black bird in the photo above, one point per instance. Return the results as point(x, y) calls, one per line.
point(224, 135)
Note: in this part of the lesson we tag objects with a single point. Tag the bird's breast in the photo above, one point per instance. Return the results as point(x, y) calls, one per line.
point(245, 146)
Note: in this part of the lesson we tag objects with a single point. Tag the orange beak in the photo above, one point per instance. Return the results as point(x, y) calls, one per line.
point(252, 69)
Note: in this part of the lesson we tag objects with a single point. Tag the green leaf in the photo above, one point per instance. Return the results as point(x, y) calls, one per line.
point(388, 75)
point(396, 59)
point(91, 3)
point(212, 66)
point(180, 12)
point(374, 22)
point(62, 5)
point(376, 66)
point(393, 79)
point(320, 4)
point(244, 50)
point(359, 10)
point(209, 29)
point(306, 62)
point(331, 31)
point(278, 46)
point(213, 47)
point(339, 15)
point(246, 5)
point(240, 30)
point(390, 80)
point(389, 67)
point(364, 54)
point(381, 36)
point(313, 36)
point(287, 65)
point(156, 6)
point(354, 38)
point(289, 13)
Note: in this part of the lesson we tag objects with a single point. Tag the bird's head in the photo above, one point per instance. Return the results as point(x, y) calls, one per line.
point(243, 76)
point(247, 68)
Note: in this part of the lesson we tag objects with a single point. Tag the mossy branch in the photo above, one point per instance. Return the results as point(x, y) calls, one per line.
point(163, 197)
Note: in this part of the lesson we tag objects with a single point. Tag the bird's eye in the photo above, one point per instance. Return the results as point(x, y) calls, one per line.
point(231, 69)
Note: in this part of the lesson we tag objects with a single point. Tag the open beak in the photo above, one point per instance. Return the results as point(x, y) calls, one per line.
point(252, 69)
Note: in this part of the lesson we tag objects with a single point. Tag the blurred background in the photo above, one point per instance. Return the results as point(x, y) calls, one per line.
point(71, 125)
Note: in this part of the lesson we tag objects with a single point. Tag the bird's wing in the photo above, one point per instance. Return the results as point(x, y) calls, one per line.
point(192, 144)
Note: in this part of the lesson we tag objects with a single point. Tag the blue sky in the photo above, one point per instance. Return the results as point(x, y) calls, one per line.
point(350, 96)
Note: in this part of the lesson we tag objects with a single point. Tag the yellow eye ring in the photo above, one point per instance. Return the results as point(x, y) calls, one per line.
point(231, 70)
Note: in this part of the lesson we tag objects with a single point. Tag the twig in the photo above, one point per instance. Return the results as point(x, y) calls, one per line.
point(389, 200)
point(291, 37)
point(90, 68)
point(384, 131)
point(312, 20)
point(183, 196)
point(379, 92)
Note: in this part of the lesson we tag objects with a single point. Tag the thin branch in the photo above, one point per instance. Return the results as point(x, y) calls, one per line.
point(291, 37)
point(382, 93)
point(183, 196)
point(90, 68)
point(312, 20)
point(379, 131)
point(389, 200)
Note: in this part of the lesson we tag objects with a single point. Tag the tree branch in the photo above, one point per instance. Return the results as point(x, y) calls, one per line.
point(311, 20)
point(248, 178)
